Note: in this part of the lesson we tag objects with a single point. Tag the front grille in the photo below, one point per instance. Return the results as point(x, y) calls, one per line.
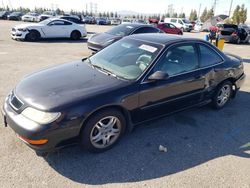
point(15, 102)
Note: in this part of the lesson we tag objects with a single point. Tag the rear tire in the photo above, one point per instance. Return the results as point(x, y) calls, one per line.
point(222, 95)
point(103, 130)
point(33, 36)
point(75, 35)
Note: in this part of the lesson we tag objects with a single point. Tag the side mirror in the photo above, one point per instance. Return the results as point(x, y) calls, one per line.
point(158, 75)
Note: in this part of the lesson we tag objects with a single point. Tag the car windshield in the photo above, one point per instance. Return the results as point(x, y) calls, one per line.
point(186, 21)
point(15, 14)
point(121, 30)
point(32, 14)
point(45, 22)
point(126, 59)
point(2, 13)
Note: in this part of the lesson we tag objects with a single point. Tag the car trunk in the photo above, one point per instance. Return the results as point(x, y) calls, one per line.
point(227, 31)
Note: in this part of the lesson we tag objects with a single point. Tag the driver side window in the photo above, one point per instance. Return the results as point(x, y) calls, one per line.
point(178, 59)
point(56, 23)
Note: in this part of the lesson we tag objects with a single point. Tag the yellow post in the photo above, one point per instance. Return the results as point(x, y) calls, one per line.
point(221, 43)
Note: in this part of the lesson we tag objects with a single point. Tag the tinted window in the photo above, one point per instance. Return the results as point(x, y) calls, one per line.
point(180, 22)
point(208, 56)
point(121, 30)
point(146, 30)
point(178, 59)
point(171, 26)
point(59, 22)
point(173, 20)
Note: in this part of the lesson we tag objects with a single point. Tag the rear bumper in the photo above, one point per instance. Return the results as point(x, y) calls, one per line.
point(57, 134)
point(229, 38)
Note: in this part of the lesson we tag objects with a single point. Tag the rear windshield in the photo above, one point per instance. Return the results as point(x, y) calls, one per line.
point(121, 30)
point(228, 26)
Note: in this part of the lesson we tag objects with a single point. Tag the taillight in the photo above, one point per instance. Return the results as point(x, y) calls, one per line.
point(234, 34)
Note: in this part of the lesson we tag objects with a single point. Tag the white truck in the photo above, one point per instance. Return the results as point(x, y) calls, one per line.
point(181, 23)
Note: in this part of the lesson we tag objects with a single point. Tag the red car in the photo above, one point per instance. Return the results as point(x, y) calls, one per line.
point(169, 28)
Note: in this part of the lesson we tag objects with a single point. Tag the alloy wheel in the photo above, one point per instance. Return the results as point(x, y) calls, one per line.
point(105, 132)
point(224, 95)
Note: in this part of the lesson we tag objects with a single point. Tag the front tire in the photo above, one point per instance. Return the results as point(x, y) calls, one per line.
point(32, 36)
point(103, 130)
point(222, 95)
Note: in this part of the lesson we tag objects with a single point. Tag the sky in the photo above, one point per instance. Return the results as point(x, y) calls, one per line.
point(140, 6)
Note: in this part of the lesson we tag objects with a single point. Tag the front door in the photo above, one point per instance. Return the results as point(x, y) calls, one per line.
point(183, 88)
point(55, 29)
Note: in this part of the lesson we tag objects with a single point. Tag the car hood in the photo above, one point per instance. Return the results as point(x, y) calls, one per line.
point(29, 25)
point(65, 85)
point(102, 38)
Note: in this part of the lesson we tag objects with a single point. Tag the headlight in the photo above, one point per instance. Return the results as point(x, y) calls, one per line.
point(109, 42)
point(22, 29)
point(40, 116)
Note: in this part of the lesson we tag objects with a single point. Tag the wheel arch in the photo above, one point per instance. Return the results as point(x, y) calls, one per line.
point(232, 80)
point(35, 30)
point(125, 113)
point(76, 30)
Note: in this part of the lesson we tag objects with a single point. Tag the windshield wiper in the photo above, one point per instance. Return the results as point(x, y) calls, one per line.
point(108, 72)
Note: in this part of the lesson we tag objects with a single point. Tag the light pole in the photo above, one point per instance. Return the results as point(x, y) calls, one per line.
point(230, 8)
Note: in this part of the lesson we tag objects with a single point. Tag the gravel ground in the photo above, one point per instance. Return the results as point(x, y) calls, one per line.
point(206, 148)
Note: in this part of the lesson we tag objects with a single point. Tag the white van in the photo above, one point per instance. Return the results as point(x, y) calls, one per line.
point(181, 23)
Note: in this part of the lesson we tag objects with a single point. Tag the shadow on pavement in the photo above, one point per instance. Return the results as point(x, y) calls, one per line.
point(192, 137)
point(62, 40)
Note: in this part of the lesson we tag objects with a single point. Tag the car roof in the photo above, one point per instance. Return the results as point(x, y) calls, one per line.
point(135, 25)
point(162, 38)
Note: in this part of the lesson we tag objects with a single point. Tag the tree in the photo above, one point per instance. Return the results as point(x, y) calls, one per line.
point(236, 15)
point(243, 14)
point(167, 15)
point(210, 14)
point(193, 15)
point(182, 15)
point(111, 14)
point(204, 15)
point(116, 16)
point(175, 15)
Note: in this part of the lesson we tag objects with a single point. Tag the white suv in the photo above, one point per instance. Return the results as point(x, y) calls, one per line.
point(181, 23)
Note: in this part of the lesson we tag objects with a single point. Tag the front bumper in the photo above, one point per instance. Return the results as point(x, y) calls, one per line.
point(58, 134)
point(15, 34)
point(94, 46)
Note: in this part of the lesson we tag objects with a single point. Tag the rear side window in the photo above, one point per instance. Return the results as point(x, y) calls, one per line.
point(178, 59)
point(173, 20)
point(146, 30)
point(208, 56)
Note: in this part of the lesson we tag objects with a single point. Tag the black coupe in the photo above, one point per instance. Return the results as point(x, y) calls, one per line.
point(139, 78)
point(101, 40)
